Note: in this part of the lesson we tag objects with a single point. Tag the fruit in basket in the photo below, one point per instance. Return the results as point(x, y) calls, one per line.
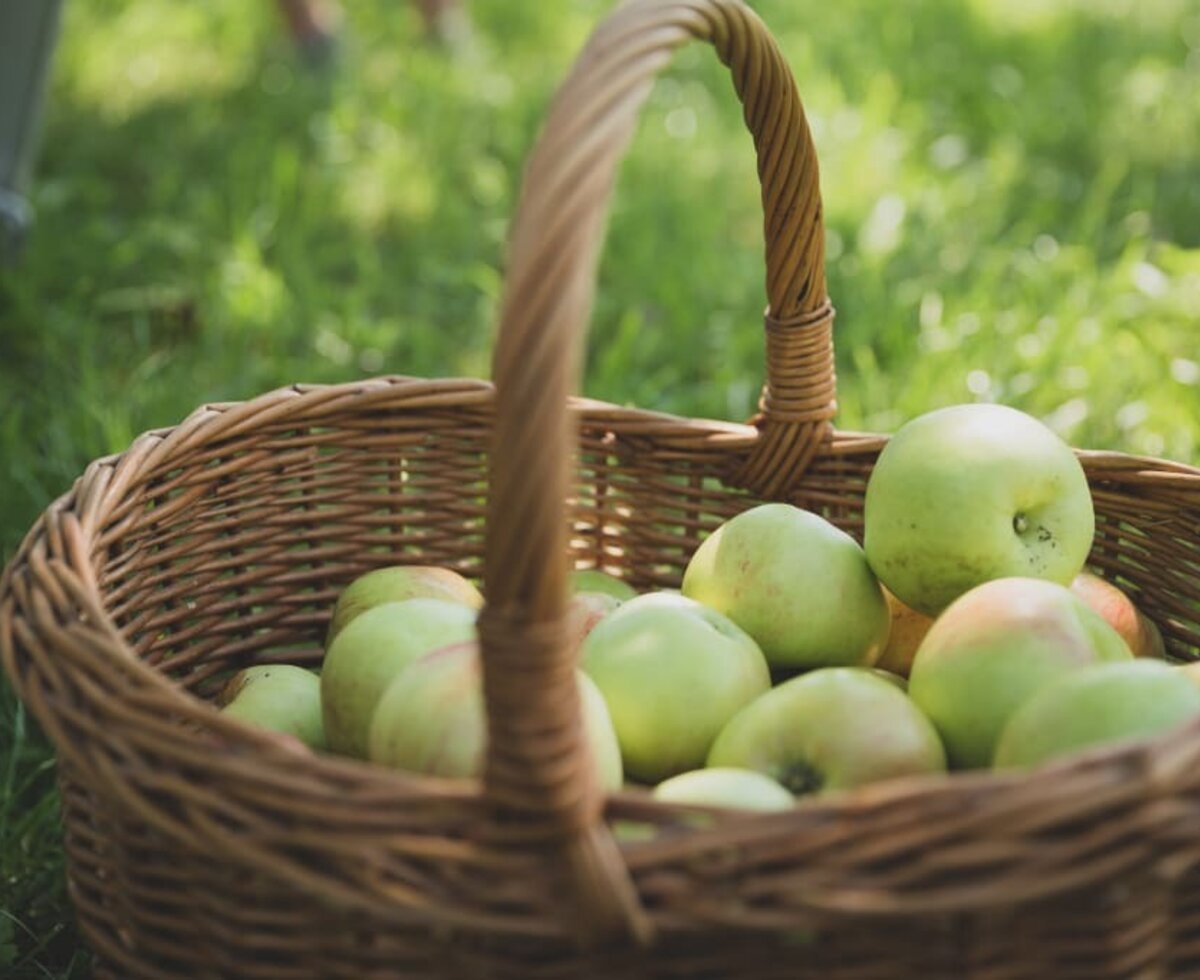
point(372, 649)
point(1098, 705)
point(908, 630)
point(432, 720)
point(397, 583)
point(830, 729)
point(1119, 611)
point(970, 493)
point(800, 586)
point(672, 672)
point(595, 580)
point(897, 680)
point(993, 649)
point(744, 789)
point(601, 735)
point(1190, 670)
point(584, 611)
point(280, 697)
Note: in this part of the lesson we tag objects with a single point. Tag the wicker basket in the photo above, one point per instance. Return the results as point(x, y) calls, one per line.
point(198, 847)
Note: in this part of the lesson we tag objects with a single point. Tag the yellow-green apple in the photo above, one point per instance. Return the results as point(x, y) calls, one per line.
point(744, 789)
point(800, 586)
point(370, 650)
point(594, 580)
point(280, 697)
point(908, 630)
point(1097, 705)
point(1119, 611)
point(432, 719)
point(970, 493)
point(1190, 670)
point(833, 728)
point(397, 583)
point(672, 672)
point(994, 648)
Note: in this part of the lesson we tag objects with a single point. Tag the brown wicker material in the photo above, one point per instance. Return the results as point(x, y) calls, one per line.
point(198, 847)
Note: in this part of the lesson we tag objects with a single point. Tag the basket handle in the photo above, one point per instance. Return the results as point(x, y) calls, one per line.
point(536, 779)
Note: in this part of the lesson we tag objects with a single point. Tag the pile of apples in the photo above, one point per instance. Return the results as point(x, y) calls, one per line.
point(964, 633)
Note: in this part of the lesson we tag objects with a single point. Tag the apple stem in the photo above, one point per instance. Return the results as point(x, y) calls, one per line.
point(1020, 524)
point(801, 779)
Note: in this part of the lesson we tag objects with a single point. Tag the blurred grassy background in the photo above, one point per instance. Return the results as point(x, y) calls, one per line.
point(1012, 195)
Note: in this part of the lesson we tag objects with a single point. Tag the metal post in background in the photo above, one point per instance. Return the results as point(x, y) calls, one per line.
point(28, 33)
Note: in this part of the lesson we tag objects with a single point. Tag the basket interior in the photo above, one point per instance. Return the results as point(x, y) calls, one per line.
point(236, 551)
point(238, 554)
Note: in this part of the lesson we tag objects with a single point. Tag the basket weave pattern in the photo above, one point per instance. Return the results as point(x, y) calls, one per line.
point(198, 847)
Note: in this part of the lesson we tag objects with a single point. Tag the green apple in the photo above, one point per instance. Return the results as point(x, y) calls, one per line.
point(970, 493)
point(672, 672)
point(395, 584)
point(432, 719)
point(1098, 705)
point(1118, 610)
point(744, 789)
point(800, 586)
point(281, 697)
point(372, 649)
point(994, 648)
point(594, 580)
point(831, 729)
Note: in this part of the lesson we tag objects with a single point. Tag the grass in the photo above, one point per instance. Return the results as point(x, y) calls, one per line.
point(1011, 203)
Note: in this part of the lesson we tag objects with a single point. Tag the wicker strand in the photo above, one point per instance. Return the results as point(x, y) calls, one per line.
point(797, 405)
point(534, 725)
